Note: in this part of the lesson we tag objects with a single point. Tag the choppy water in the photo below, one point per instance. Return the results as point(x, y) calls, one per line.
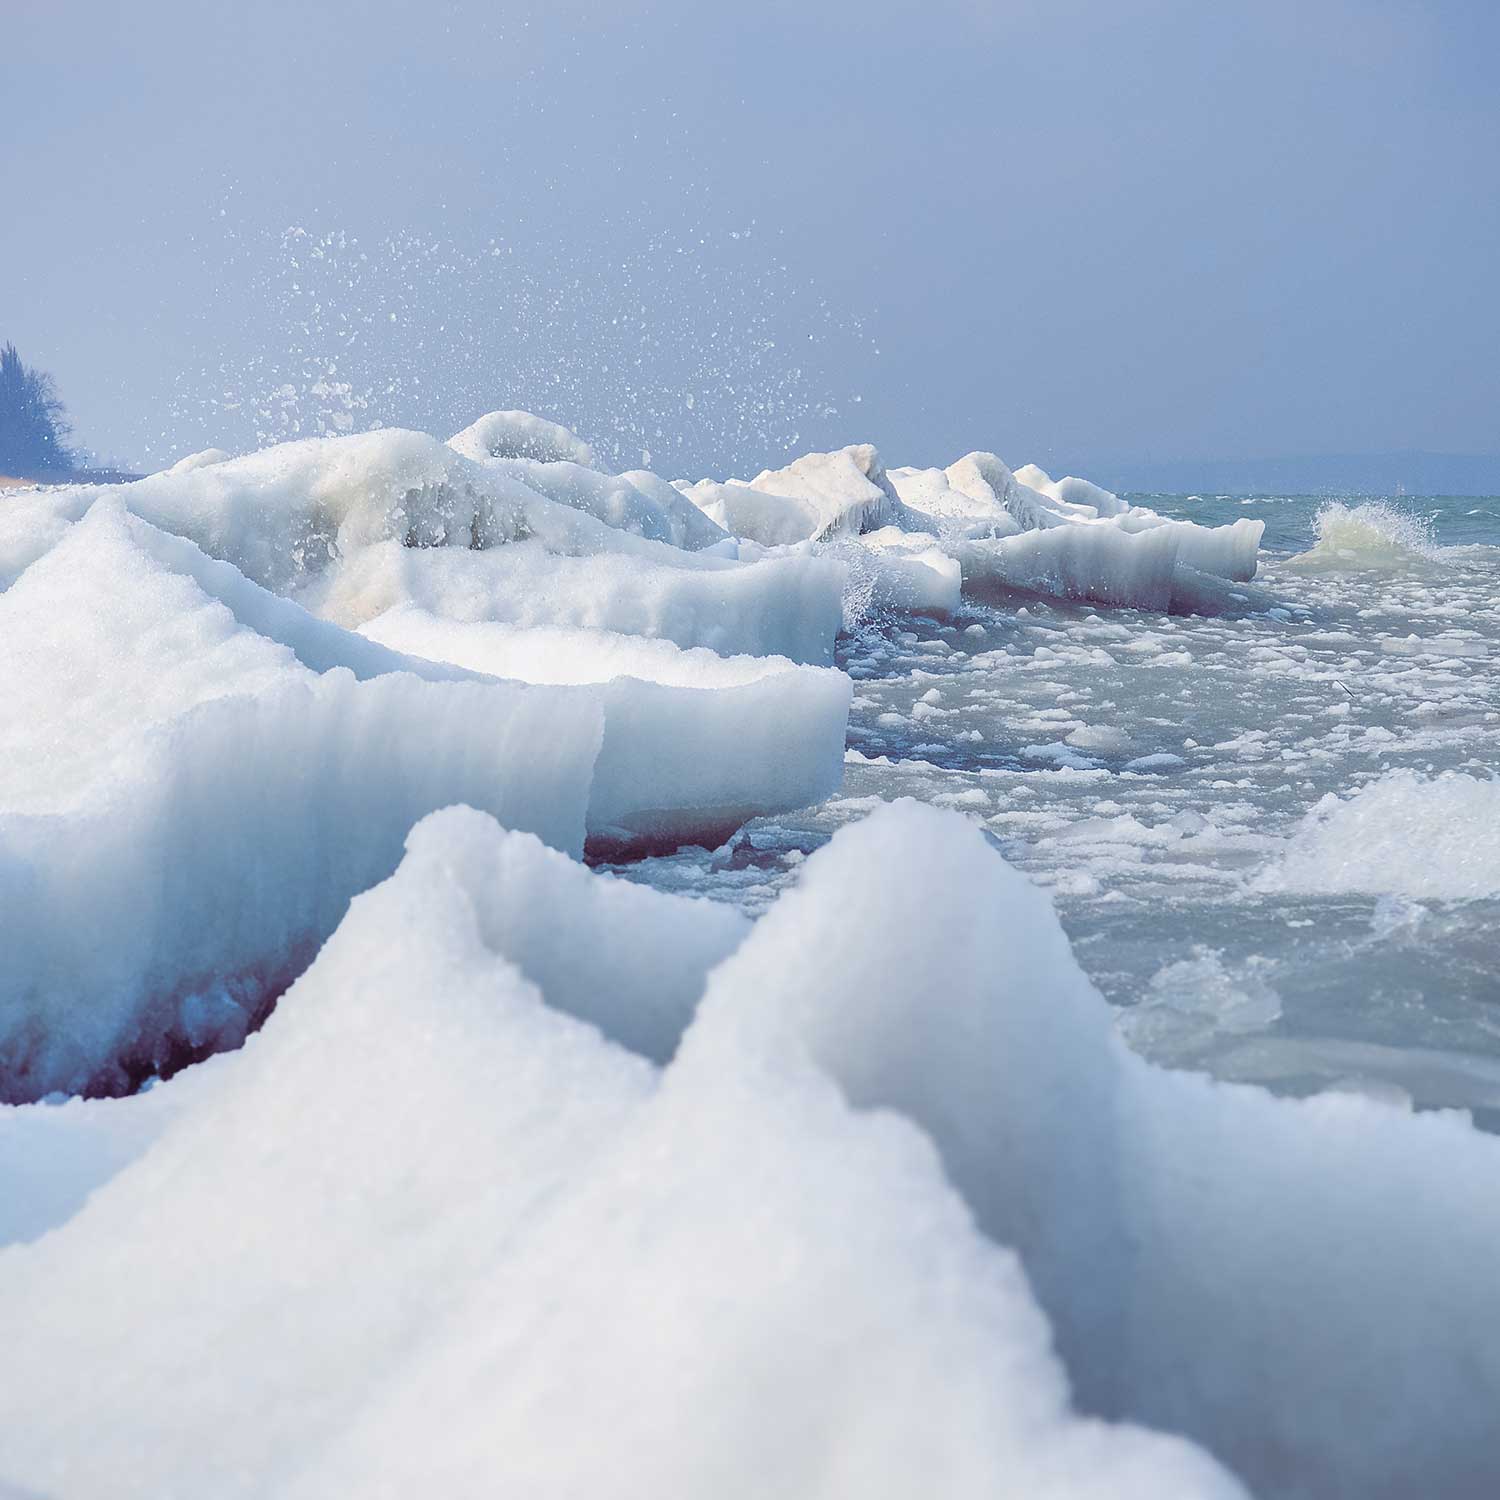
point(1149, 768)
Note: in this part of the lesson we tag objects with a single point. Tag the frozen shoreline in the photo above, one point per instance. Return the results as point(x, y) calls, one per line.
point(843, 1181)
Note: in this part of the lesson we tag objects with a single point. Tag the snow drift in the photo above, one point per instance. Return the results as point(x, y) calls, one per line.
point(810, 1255)
point(482, 1229)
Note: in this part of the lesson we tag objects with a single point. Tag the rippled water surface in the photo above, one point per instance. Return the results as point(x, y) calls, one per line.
point(1151, 770)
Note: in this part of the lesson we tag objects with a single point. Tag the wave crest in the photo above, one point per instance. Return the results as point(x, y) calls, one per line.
point(1374, 534)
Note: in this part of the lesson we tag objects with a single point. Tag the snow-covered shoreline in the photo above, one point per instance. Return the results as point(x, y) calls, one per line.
point(864, 1196)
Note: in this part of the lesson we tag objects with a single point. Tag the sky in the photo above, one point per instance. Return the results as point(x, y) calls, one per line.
point(710, 236)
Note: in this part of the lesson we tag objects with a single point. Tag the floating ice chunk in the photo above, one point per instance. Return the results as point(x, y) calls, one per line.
point(1160, 760)
point(203, 774)
point(1443, 646)
point(1402, 834)
point(479, 1229)
point(1076, 539)
point(1196, 1000)
point(1099, 737)
point(694, 744)
point(1101, 562)
point(1230, 552)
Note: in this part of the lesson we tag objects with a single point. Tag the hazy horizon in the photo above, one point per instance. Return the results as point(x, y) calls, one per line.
point(1081, 234)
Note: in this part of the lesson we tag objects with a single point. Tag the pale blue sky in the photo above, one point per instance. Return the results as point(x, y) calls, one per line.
point(1068, 231)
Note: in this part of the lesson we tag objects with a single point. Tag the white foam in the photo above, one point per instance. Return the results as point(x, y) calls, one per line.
point(1374, 534)
point(1402, 834)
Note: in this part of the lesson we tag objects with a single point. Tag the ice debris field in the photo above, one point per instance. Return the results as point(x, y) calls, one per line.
point(861, 981)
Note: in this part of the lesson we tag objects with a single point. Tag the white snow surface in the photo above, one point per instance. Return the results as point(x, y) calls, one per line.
point(482, 1228)
point(468, 1196)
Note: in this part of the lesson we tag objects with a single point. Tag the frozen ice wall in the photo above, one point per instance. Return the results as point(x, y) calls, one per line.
point(197, 776)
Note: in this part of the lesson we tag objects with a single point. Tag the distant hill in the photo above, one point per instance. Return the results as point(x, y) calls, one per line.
point(1332, 474)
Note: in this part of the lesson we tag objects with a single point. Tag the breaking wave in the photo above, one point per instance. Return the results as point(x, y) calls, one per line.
point(1374, 534)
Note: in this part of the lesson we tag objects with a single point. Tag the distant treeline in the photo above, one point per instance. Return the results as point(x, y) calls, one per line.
point(34, 427)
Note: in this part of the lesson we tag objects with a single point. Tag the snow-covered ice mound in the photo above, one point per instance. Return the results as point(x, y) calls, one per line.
point(519, 434)
point(488, 1250)
point(550, 460)
point(1073, 539)
point(783, 1262)
point(351, 526)
point(1067, 538)
point(213, 770)
point(1402, 834)
point(694, 744)
point(788, 606)
point(196, 776)
point(847, 491)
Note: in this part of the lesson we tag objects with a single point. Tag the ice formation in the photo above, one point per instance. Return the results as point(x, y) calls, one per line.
point(352, 526)
point(818, 1251)
point(468, 1189)
point(693, 744)
point(865, 1198)
point(1402, 834)
point(1069, 538)
point(205, 774)
point(236, 769)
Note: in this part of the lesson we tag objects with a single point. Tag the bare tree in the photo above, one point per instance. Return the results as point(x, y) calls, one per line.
point(33, 426)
